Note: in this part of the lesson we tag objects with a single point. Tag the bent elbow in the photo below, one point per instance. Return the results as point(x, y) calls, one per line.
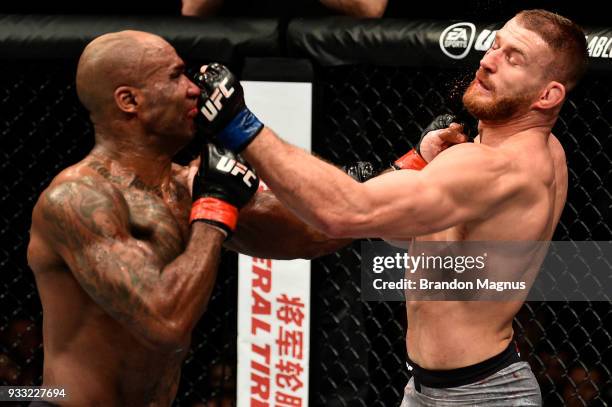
point(314, 251)
point(340, 227)
point(318, 248)
point(336, 230)
point(168, 337)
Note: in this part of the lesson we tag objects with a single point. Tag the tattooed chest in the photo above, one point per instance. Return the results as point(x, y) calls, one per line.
point(164, 226)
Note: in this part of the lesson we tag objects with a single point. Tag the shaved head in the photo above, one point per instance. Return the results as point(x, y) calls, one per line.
point(111, 60)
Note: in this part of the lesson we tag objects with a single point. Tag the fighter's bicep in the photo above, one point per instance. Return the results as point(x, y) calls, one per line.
point(117, 276)
point(460, 187)
point(91, 232)
point(409, 204)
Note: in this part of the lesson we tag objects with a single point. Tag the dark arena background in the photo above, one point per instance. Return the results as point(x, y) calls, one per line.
point(376, 84)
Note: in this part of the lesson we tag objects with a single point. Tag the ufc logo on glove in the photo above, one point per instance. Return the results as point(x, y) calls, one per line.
point(210, 108)
point(224, 113)
point(226, 164)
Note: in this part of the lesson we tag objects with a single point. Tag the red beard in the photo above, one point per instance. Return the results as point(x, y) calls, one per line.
point(493, 107)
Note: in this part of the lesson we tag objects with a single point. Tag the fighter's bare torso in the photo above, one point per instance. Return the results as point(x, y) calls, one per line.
point(447, 335)
point(88, 352)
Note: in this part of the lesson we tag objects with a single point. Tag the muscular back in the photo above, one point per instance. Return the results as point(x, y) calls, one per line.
point(91, 340)
point(444, 335)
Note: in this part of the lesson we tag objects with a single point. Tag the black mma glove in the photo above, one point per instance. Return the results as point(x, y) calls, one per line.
point(413, 159)
point(439, 122)
point(223, 111)
point(360, 171)
point(224, 184)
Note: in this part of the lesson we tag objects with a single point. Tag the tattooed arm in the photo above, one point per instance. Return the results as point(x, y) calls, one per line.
point(159, 303)
point(267, 229)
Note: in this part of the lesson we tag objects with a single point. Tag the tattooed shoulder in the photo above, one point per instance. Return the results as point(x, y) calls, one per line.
point(76, 210)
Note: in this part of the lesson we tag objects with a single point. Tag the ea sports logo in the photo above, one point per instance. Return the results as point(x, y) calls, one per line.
point(456, 40)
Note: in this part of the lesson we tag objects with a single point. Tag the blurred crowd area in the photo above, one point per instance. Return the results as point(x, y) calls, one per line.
point(571, 372)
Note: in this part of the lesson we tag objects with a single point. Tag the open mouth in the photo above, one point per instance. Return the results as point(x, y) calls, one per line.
point(483, 84)
point(192, 113)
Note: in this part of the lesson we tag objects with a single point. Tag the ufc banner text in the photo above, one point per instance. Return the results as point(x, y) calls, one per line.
point(274, 295)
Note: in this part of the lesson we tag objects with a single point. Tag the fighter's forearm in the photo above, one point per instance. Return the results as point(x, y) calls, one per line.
point(186, 284)
point(269, 230)
point(317, 192)
point(161, 305)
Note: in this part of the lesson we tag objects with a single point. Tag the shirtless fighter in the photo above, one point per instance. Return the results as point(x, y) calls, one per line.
point(122, 271)
point(510, 184)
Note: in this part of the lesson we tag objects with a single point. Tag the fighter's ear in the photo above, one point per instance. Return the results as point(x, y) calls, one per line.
point(551, 96)
point(126, 99)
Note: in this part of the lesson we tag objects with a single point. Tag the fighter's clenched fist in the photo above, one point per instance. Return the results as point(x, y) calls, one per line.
point(224, 184)
point(443, 132)
point(223, 110)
